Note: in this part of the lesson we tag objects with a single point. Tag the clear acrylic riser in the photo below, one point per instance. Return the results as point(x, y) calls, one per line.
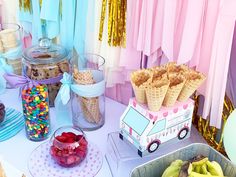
point(122, 156)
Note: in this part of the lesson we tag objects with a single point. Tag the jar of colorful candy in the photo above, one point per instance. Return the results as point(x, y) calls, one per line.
point(46, 62)
point(35, 104)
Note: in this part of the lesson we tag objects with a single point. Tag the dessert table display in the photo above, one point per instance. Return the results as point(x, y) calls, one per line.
point(56, 142)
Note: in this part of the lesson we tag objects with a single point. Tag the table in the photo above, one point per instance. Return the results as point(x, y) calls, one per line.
point(17, 149)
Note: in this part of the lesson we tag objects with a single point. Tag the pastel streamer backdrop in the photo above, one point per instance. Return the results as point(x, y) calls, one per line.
point(198, 33)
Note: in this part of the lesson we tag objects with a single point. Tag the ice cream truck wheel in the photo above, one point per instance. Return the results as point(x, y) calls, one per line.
point(183, 133)
point(153, 146)
point(121, 136)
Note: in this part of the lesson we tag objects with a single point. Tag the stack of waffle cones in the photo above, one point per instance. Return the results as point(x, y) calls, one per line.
point(165, 84)
point(8, 39)
point(193, 81)
point(89, 106)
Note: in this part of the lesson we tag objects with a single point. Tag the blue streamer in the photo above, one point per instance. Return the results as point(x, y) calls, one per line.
point(67, 24)
point(80, 25)
point(50, 13)
point(25, 17)
point(37, 25)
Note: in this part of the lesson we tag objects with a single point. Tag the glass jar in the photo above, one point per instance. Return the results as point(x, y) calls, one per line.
point(68, 146)
point(36, 112)
point(88, 111)
point(11, 45)
point(46, 63)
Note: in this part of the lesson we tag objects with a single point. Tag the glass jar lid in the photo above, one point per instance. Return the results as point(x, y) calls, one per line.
point(45, 52)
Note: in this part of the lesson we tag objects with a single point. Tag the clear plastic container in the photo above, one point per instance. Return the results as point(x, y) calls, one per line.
point(46, 63)
point(11, 45)
point(36, 112)
point(88, 113)
point(123, 157)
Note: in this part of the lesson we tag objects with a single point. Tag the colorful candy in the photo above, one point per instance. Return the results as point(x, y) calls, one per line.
point(36, 112)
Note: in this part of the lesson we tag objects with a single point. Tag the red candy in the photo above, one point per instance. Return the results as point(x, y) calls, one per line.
point(61, 139)
point(69, 149)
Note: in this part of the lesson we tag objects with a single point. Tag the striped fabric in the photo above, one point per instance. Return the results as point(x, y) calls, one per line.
point(13, 123)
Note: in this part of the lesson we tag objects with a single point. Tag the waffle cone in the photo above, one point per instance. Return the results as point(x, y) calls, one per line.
point(91, 109)
point(174, 69)
point(139, 82)
point(155, 93)
point(194, 80)
point(175, 87)
point(83, 78)
point(159, 72)
point(89, 106)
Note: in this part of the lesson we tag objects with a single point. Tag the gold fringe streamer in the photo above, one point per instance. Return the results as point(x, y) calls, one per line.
point(25, 5)
point(208, 132)
point(102, 19)
point(116, 22)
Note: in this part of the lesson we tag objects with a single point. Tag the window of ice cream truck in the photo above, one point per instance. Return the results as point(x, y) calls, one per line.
point(158, 127)
point(136, 121)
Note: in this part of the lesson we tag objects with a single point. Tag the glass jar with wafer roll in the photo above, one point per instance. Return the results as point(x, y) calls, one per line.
point(11, 46)
point(46, 62)
point(88, 107)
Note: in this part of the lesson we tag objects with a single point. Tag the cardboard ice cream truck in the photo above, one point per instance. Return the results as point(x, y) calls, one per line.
point(146, 130)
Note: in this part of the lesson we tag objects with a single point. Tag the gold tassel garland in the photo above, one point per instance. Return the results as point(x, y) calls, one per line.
point(25, 5)
point(116, 22)
point(208, 132)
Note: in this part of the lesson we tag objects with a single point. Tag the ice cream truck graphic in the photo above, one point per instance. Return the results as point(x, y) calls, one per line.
point(146, 130)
